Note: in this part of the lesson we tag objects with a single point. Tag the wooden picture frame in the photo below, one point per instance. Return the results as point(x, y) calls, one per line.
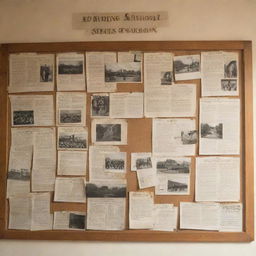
point(247, 187)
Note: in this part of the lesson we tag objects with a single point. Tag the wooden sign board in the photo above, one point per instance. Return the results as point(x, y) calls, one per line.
point(139, 140)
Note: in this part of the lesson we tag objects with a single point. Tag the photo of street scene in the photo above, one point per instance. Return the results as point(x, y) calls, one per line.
point(212, 131)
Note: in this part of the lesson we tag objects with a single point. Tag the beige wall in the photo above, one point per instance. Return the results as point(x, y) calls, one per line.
point(50, 20)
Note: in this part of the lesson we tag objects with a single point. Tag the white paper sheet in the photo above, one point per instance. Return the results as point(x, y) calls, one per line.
point(70, 73)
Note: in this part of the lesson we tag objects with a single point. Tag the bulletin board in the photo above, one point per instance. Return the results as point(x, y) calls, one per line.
point(139, 140)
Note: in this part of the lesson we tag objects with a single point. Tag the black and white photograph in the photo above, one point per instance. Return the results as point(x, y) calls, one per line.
point(105, 190)
point(186, 64)
point(46, 73)
point(173, 166)
point(166, 78)
point(230, 69)
point(115, 162)
point(108, 132)
point(129, 72)
point(23, 117)
point(189, 137)
point(100, 105)
point(22, 174)
point(70, 67)
point(212, 131)
point(176, 187)
point(143, 163)
point(72, 140)
point(76, 221)
point(137, 57)
point(228, 84)
point(70, 116)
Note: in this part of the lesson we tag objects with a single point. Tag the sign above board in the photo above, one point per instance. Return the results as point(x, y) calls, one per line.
point(120, 22)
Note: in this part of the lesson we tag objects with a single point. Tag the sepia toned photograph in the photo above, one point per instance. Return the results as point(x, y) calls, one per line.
point(105, 190)
point(23, 117)
point(70, 67)
point(123, 72)
point(108, 132)
point(70, 116)
point(230, 69)
point(173, 166)
point(113, 163)
point(76, 221)
point(189, 137)
point(137, 56)
point(212, 131)
point(46, 73)
point(187, 64)
point(166, 78)
point(176, 187)
point(100, 105)
point(143, 163)
point(228, 84)
point(22, 174)
point(72, 140)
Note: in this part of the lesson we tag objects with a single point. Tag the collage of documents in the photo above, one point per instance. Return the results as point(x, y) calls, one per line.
point(135, 140)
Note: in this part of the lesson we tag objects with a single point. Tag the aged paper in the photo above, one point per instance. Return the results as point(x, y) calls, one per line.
point(42, 219)
point(64, 220)
point(109, 131)
point(187, 67)
point(161, 97)
point(69, 190)
point(31, 72)
point(30, 212)
point(204, 216)
point(219, 126)
point(106, 213)
point(97, 163)
point(165, 217)
point(231, 217)
point(173, 175)
point(126, 105)
point(44, 159)
point(32, 110)
point(20, 212)
point(70, 73)
point(217, 179)
point(220, 74)
point(72, 163)
point(72, 138)
point(19, 171)
point(71, 109)
point(146, 178)
point(141, 208)
point(95, 71)
point(175, 137)
point(43, 143)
